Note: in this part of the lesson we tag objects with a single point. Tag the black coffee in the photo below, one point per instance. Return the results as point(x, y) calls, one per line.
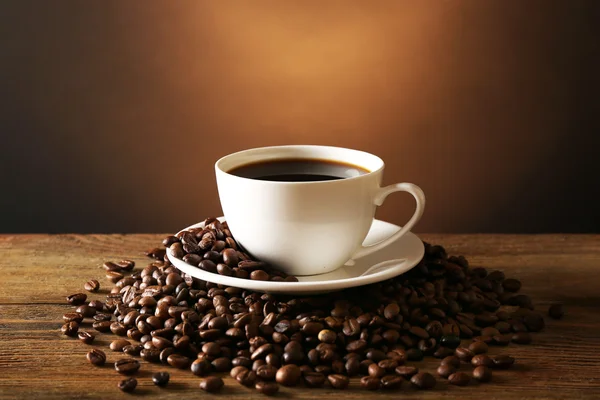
point(298, 170)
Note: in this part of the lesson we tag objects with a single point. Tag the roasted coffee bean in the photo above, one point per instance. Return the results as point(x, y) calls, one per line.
point(314, 379)
point(482, 359)
point(119, 344)
point(127, 366)
point(338, 381)
point(221, 364)
point(414, 355)
point(443, 352)
point(150, 355)
point(391, 311)
point(351, 327)
point(76, 299)
point(450, 341)
point(423, 380)
point(200, 367)
point(502, 361)
point(419, 332)
point(556, 311)
point(178, 361)
point(478, 347)
point(92, 285)
point(267, 388)
point(128, 385)
point(133, 349)
point(327, 336)
point(236, 370)
point(459, 379)
point(451, 360)
point(501, 340)
point(86, 337)
point(288, 375)
point(521, 338)
point(259, 275)
point(490, 332)
point(370, 383)
point(445, 370)
point(266, 372)
point(511, 285)
point(118, 329)
point(70, 329)
point(376, 371)
point(464, 354)
point(211, 384)
point(406, 371)
point(161, 378)
point(482, 373)
point(391, 382)
point(389, 365)
point(246, 378)
point(73, 317)
point(114, 276)
point(96, 357)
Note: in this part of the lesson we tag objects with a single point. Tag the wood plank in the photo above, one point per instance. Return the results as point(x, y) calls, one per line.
point(38, 271)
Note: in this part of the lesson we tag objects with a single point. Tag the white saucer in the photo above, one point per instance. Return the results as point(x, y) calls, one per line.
point(391, 261)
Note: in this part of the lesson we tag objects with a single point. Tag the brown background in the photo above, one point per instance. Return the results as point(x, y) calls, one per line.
point(112, 113)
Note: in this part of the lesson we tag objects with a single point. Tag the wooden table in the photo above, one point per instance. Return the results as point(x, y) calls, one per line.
point(38, 271)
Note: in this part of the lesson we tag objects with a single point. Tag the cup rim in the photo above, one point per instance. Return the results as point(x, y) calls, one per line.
point(378, 160)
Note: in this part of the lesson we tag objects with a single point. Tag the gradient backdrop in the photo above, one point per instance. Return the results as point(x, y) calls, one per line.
point(112, 113)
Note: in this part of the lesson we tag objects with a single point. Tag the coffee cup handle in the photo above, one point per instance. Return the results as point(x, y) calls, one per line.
point(419, 196)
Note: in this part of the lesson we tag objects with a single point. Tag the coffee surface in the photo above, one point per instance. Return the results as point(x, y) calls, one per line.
point(298, 170)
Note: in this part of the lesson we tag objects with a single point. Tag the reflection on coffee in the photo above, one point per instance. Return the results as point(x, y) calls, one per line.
point(298, 170)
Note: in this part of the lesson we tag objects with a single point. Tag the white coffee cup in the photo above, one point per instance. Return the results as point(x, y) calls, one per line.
point(307, 228)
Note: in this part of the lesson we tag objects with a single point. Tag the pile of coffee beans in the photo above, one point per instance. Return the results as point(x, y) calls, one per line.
point(214, 250)
point(442, 308)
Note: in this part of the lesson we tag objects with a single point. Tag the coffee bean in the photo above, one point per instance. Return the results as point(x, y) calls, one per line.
point(133, 349)
point(459, 379)
point(200, 367)
point(521, 338)
point(76, 299)
point(259, 275)
point(73, 317)
point(178, 361)
point(246, 378)
point(391, 311)
point(556, 311)
point(86, 337)
point(114, 276)
point(391, 382)
point(490, 332)
point(70, 329)
point(511, 285)
point(481, 359)
point(288, 375)
point(230, 257)
point(445, 370)
point(501, 340)
point(534, 322)
point(414, 355)
point(96, 357)
point(478, 347)
point(502, 362)
point(161, 378)
point(211, 384)
point(419, 332)
point(128, 385)
point(338, 381)
point(327, 336)
point(406, 371)
point(150, 355)
point(388, 365)
point(370, 383)
point(118, 329)
point(127, 366)
point(92, 285)
point(451, 360)
point(376, 371)
point(266, 372)
point(423, 380)
point(351, 327)
point(464, 354)
point(267, 388)
point(221, 364)
point(482, 373)
point(314, 379)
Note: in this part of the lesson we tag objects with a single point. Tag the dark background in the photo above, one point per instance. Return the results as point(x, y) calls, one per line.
point(112, 113)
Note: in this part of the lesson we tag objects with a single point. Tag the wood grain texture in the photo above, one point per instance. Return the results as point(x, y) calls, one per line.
point(38, 271)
